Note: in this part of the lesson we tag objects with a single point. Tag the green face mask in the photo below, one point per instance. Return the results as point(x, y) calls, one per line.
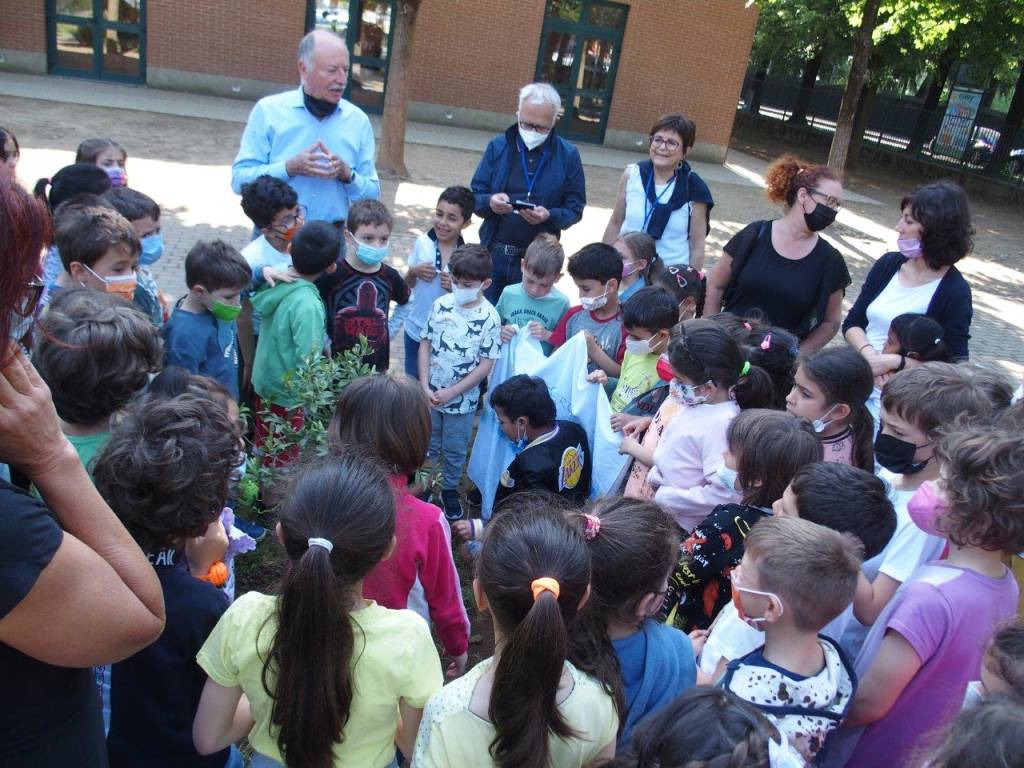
point(225, 312)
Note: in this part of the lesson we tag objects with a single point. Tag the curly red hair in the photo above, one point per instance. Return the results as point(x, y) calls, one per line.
point(787, 174)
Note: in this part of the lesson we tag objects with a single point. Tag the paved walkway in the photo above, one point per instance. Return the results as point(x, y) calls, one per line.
point(181, 146)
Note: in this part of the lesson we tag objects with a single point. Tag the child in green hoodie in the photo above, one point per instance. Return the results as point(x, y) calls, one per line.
point(294, 322)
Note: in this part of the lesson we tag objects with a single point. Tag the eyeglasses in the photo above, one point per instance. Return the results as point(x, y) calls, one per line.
point(288, 221)
point(832, 202)
point(33, 293)
point(670, 144)
point(535, 127)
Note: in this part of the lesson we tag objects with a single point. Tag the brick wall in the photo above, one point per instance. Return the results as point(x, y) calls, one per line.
point(475, 54)
point(252, 39)
point(23, 26)
point(683, 56)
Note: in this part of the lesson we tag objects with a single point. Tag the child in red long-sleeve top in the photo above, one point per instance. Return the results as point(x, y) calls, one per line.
point(389, 416)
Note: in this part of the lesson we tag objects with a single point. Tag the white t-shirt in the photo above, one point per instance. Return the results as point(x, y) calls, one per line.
point(674, 245)
point(896, 299)
point(732, 638)
point(908, 548)
point(423, 294)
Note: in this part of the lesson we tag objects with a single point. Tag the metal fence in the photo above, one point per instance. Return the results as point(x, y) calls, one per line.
point(900, 125)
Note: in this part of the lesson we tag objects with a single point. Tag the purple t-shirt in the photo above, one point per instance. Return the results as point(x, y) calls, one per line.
point(947, 614)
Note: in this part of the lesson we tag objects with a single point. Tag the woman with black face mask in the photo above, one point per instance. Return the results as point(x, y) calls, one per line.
point(783, 269)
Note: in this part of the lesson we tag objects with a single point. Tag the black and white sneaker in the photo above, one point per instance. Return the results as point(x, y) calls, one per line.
point(452, 505)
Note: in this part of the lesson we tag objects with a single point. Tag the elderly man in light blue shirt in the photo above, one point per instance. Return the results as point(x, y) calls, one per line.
point(310, 137)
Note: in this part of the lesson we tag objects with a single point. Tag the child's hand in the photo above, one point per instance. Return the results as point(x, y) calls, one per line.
point(425, 271)
point(203, 551)
point(620, 420)
point(463, 529)
point(598, 377)
point(274, 276)
point(441, 396)
point(508, 332)
point(538, 331)
point(458, 666)
point(629, 447)
point(697, 638)
point(446, 280)
point(636, 426)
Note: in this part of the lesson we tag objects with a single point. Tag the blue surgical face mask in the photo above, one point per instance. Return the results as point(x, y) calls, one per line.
point(152, 249)
point(728, 478)
point(519, 444)
point(369, 254)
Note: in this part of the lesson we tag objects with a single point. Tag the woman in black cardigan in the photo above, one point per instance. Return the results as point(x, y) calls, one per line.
point(934, 233)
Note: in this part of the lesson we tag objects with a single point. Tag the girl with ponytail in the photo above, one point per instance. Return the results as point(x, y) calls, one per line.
point(527, 707)
point(831, 389)
point(328, 678)
point(713, 381)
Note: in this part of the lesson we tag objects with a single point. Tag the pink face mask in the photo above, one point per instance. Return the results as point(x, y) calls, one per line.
point(910, 248)
point(926, 507)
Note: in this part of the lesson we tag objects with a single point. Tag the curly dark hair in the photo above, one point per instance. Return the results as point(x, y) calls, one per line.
point(942, 210)
point(983, 734)
point(264, 197)
point(984, 486)
point(95, 351)
point(166, 467)
point(1004, 656)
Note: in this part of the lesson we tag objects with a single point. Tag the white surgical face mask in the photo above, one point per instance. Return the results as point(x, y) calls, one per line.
point(464, 296)
point(820, 425)
point(638, 346)
point(974, 694)
point(591, 303)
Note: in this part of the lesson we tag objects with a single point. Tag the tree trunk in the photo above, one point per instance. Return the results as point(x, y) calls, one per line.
point(931, 99)
point(990, 94)
point(391, 148)
point(840, 148)
point(803, 99)
point(758, 89)
point(860, 122)
point(1011, 128)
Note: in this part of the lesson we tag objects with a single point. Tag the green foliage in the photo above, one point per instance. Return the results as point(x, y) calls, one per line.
point(314, 386)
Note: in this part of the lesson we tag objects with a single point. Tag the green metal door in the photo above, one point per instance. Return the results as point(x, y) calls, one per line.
point(579, 55)
point(99, 39)
point(366, 27)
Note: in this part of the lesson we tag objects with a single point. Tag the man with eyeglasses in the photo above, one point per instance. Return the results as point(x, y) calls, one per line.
point(310, 137)
point(528, 182)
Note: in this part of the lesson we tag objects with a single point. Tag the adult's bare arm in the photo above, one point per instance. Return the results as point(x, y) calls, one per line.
point(98, 600)
point(718, 281)
point(611, 232)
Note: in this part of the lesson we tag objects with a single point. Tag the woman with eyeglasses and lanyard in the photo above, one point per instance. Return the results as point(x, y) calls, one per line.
point(529, 181)
point(784, 269)
point(75, 589)
point(665, 198)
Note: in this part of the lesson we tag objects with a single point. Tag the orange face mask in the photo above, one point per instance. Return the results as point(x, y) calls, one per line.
point(119, 285)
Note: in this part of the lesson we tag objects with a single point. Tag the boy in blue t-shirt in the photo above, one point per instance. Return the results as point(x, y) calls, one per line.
point(164, 473)
point(535, 303)
point(202, 335)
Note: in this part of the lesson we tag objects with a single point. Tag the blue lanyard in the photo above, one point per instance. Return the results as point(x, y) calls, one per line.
point(531, 179)
point(649, 193)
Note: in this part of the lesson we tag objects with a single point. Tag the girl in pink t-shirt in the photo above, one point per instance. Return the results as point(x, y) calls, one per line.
point(830, 390)
point(712, 382)
point(389, 417)
point(929, 641)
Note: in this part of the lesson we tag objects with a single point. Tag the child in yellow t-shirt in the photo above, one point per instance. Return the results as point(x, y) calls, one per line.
point(348, 678)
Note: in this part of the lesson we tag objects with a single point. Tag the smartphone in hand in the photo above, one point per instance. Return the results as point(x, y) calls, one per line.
point(521, 205)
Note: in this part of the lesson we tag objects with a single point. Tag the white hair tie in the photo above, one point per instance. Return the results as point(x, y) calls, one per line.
point(318, 542)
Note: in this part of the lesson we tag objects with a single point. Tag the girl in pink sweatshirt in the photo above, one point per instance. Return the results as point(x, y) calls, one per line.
point(713, 382)
point(388, 416)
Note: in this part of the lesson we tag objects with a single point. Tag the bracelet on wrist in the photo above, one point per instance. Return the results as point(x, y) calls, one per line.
point(862, 347)
point(903, 363)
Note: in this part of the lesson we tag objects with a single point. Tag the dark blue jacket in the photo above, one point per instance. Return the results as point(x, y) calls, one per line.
point(560, 188)
point(950, 306)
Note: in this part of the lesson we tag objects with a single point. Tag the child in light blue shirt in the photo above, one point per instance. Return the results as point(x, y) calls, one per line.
point(535, 303)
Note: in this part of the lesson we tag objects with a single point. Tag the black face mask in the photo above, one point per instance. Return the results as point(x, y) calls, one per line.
point(319, 108)
point(898, 455)
point(820, 217)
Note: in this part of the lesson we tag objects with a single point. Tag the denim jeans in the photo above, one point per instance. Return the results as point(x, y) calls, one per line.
point(506, 269)
point(449, 440)
point(412, 351)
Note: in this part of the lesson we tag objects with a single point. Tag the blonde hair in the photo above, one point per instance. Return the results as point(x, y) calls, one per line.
point(544, 256)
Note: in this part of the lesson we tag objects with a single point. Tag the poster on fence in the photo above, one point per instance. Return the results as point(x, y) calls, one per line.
point(576, 399)
point(958, 122)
